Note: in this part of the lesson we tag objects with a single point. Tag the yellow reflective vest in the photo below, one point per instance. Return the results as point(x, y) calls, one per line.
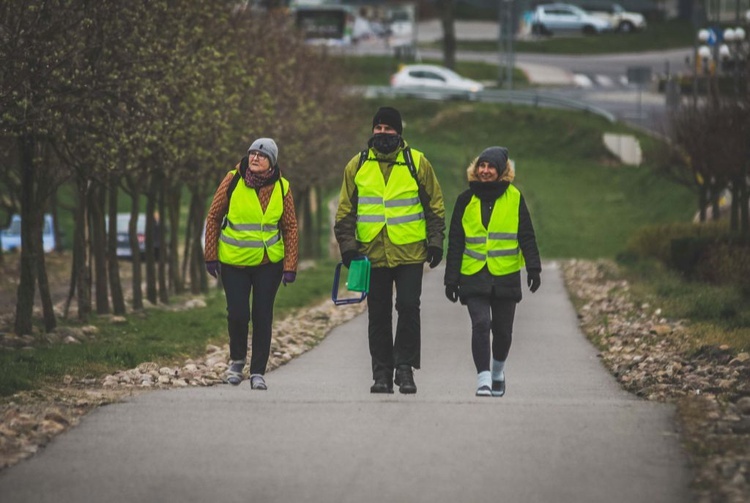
point(248, 231)
point(394, 205)
point(496, 245)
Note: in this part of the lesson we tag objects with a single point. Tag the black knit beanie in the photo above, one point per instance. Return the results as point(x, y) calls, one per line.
point(497, 156)
point(388, 116)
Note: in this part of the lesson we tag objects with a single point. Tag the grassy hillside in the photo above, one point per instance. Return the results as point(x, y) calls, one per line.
point(584, 203)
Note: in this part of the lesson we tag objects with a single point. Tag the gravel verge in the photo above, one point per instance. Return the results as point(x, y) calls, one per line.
point(650, 357)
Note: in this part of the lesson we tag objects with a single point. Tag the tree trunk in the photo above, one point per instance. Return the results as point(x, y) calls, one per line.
point(48, 309)
point(744, 197)
point(702, 201)
point(734, 212)
point(27, 284)
point(113, 266)
point(320, 220)
point(151, 293)
point(135, 253)
point(164, 256)
point(97, 200)
point(176, 279)
point(83, 276)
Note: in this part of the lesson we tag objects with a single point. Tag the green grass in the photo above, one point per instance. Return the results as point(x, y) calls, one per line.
point(377, 70)
point(155, 335)
point(583, 202)
point(720, 314)
point(658, 36)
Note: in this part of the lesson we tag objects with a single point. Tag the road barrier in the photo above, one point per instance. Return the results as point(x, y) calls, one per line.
point(530, 98)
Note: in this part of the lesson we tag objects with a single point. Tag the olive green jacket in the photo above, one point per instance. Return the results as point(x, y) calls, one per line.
point(381, 251)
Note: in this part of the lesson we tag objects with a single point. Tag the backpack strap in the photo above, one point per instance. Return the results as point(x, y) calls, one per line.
point(410, 163)
point(407, 157)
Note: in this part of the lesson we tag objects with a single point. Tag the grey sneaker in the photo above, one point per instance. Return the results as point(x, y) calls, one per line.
point(257, 382)
point(234, 372)
point(498, 388)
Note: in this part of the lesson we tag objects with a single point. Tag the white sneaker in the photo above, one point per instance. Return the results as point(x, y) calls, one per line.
point(484, 383)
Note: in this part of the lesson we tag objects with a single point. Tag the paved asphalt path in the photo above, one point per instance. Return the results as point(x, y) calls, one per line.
point(565, 431)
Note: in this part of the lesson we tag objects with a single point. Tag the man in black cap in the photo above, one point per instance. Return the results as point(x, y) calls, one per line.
point(391, 211)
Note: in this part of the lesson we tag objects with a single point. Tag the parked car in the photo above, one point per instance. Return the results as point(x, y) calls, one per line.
point(621, 20)
point(434, 77)
point(11, 237)
point(123, 238)
point(561, 17)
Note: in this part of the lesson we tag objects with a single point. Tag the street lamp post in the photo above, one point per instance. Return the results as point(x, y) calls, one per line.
point(734, 51)
point(505, 42)
point(701, 60)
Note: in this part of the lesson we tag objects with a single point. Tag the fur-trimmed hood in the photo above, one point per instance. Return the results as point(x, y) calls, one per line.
point(506, 176)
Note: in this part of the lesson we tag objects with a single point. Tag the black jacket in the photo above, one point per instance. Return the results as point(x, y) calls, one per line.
point(484, 283)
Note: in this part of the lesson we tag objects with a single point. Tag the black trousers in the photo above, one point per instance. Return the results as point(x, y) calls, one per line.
point(490, 314)
point(405, 350)
point(238, 283)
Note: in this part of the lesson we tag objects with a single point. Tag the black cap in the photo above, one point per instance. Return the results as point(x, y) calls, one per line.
point(388, 116)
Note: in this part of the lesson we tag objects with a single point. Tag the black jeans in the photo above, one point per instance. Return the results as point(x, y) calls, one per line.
point(238, 283)
point(386, 353)
point(490, 314)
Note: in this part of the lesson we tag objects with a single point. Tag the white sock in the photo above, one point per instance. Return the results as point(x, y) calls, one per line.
point(498, 370)
point(484, 379)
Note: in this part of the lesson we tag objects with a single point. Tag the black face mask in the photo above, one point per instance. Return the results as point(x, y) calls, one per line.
point(385, 143)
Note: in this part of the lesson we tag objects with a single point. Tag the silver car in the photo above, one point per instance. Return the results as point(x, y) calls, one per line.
point(560, 17)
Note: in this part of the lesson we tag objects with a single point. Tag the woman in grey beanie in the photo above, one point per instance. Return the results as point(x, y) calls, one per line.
point(251, 241)
point(490, 240)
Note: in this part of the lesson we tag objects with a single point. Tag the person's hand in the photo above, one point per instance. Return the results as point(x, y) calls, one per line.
point(288, 277)
point(434, 256)
point(348, 256)
point(451, 292)
point(534, 280)
point(213, 268)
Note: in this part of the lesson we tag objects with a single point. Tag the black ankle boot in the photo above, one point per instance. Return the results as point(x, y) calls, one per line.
point(405, 379)
point(382, 385)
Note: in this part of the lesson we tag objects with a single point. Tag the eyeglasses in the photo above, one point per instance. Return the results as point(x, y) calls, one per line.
point(259, 155)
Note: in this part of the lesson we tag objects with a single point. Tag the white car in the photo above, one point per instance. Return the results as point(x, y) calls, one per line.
point(621, 20)
point(433, 77)
point(11, 237)
point(561, 17)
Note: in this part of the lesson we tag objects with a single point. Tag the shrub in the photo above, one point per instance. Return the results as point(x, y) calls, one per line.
point(701, 252)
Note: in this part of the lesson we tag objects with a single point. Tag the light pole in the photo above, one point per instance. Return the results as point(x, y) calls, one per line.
point(505, 42)
point(734, 51)
point(701, 60)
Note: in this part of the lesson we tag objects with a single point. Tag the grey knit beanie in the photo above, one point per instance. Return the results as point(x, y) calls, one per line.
point(497, 156)
point(267, 147)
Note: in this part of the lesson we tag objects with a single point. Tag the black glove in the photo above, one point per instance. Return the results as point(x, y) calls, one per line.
point(434, 256)
point(534, 280)
point(348, 256)
point(213, 268)
point(451, 292)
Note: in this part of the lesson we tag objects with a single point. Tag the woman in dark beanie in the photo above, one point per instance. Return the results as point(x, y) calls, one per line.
point(490, 239)
point(251, 241)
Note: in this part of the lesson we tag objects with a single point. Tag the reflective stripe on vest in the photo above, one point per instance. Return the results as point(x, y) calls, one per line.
point(497, 246)
point(394, 205)
point(249, 232)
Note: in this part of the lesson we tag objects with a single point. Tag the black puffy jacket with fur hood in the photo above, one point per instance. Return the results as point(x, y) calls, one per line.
point(484, 283)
